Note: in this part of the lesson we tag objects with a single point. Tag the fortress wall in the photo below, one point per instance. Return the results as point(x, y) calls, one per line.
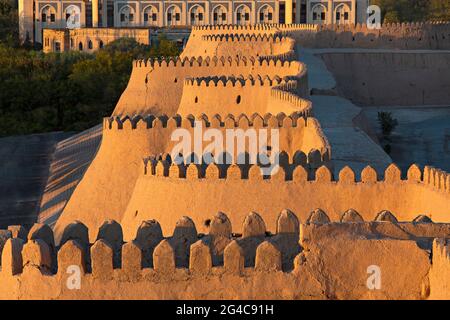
point(392, 78)
point(405, 198)
point(227, 96)
point(403, 36)
point(230, 95)
point(440, 271)
point(218, 264)
point(238, 45)
point(70, 161)
point(156, 87)
point(108, 184)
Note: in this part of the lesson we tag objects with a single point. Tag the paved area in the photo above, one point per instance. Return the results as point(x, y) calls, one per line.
point(24, 163)
point(349, 144)
point(422, 136)
point(70, 161)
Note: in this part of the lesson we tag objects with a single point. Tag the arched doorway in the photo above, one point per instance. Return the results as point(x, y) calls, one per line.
point(242, 15)
point(150, 16)
point(196, 15)
point(342, 14)
point(126, 16)
point(48, 14)
point(219, 15)
point(319, 14)
point(265, 14)
point(173, 16)
point(73, 14)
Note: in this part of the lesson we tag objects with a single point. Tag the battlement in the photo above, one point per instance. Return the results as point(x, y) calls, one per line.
point(418, 35)
point(162, 166)
point(110, 267)
point(233, 81)
point(189, 166)
point(214, 61)
point(276, 38)
point(37, 248)
point(265, 28)
point(256, 120)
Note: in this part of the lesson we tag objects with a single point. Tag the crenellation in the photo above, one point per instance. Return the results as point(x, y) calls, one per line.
point(164, 258)
point(102, 257)
point(291, 228)
point(12, 262)
point(268, 258)
point(351, 215)
point(111, 232)
point(72, 253)
point(18, 231)
point(36, 256)
point(386, 216)
point(317, 216)
point(200, 260)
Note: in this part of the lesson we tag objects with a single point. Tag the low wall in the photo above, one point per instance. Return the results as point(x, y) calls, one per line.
point(156, 87)
point(108, 183)
point(391, 78)
point(402, 36)
point(158, 196)
point(219, 264)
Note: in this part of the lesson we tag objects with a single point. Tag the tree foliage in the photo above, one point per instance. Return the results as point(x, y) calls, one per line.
point(66, 91)
point(414, 10)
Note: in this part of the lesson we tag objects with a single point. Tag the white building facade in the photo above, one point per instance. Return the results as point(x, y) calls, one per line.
point(35, 15)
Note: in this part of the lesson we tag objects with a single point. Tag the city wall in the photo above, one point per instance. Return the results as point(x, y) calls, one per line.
point(108, 184)
point(156, 87)
point(221, 264)
point(391, 78)
point(203, 192)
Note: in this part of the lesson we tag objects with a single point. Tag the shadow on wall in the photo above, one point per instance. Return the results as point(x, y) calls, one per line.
point(391, 78)
point(70, 160)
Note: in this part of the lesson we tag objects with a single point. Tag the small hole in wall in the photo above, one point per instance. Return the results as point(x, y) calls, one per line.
point(136, 213)
point(207, 223)
point(196, 99)
point(176, 80)
point(146, 80)
point(238, 99)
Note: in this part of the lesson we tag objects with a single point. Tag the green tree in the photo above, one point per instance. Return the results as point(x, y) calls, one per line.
point(66, 91)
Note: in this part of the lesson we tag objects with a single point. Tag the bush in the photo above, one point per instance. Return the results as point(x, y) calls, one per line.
point(387, 123)
point(66, 91)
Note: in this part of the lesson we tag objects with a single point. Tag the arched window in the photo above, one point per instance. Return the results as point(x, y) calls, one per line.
point(48, 14)
point(90, 45)
point(219, 15)
point(126, 16)
point(342, 14)
point(265, 14)
point(150, 16)
point(73, 14)
point(196, 15)
point(100, 44)
point(242, 15)
point(319, 14)
point(173, 16)
point(80, 46)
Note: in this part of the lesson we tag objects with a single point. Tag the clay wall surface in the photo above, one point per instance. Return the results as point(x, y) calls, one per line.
point(157, 87)
point(391, 78)
point(108, 183)
point(404, 36)
point(221, 264)
point(203, 196)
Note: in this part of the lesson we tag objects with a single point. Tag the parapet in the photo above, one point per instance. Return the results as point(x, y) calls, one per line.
point(233, 81)
point(126, 269)
point(213, 61)
point(256, 120)
point(245, 37)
